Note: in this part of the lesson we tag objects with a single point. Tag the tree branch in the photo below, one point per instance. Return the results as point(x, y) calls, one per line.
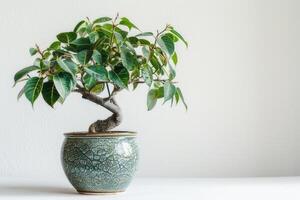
point(112, 121)
point(39, 50)
point(98, 100)
point(108, 91)
point(159, 33)
point(112, 94)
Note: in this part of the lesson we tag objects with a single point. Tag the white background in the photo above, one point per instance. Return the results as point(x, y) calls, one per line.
point(240, 78)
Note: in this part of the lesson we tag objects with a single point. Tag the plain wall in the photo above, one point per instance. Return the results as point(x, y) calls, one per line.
point(240, 78)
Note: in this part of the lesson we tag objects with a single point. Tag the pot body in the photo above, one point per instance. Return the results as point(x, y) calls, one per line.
point(100, 163)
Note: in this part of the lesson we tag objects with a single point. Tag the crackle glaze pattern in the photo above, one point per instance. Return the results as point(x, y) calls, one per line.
point(100, 164)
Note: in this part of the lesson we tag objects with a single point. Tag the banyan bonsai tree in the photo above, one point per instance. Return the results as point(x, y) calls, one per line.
point(100, 58)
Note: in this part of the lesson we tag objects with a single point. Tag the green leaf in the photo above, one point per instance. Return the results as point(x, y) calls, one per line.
point(50, 93)
point(118, 37)
point(123, 73)
point(33, 51)
point(68, 66)
point(169, 91)
point(129, 46)
point(44, 65)
point(172, 73)
point(37, 62)
point(174, 58)
point(55, 45)
point(101, 20)
point(173, 37)
point(107, 29)
point(181, 97)
point(24, 72)
point(144, 34)
point(116, 79)
point(33, 88)
point(160, 92)
point(167, 44)
point(46, 54)
point(88, 27)
point(64, 83)
point(122, 32)
point(97, 57)
point(82, 31)
point(146, 52)
point(143, 42)
point(66, 37)
point(84, 56)
point(151, 99)
point(179, 36)
point(147, 75)
point(94, 74)
point(156, 64)
point(128, 58)
point(98, 72)
point(79, 25)
point(114, 61)
point(89, 81)
point(161, 55)
point(97, 89)
point(126, 22)
point(177, 97)
point(81, 42)
point(133, 41)
point(93, 36)
point(135, 74)
point(59, 52)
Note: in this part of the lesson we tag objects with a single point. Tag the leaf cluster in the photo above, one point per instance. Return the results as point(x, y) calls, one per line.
point(104, 55)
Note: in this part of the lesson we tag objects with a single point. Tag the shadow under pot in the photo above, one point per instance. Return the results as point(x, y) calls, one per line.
point(100, 163)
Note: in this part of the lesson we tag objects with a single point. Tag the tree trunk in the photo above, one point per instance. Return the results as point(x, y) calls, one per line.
point(104, 125)
point(110, 104)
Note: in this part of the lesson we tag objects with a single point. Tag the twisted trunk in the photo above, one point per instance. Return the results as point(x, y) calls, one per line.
point(110, 104)
point(104, 125)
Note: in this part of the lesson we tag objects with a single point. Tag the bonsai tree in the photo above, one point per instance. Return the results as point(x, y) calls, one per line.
point(100, 58)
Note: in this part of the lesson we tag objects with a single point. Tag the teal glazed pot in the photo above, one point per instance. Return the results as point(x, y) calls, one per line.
point(100, 163)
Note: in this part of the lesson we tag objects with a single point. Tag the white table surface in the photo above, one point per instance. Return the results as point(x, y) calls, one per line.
point(160, 188)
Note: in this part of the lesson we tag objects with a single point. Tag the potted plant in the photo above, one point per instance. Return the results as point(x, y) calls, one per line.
point(98, 59)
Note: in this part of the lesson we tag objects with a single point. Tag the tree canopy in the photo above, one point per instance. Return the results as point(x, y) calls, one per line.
point(104, 56)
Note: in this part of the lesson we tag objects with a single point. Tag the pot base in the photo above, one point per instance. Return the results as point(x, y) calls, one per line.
point(100, 193)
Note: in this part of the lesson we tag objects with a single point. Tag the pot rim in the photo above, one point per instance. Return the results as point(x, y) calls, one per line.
point(86, 134)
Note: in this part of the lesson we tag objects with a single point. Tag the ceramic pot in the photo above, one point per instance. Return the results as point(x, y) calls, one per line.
point(100, 163)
